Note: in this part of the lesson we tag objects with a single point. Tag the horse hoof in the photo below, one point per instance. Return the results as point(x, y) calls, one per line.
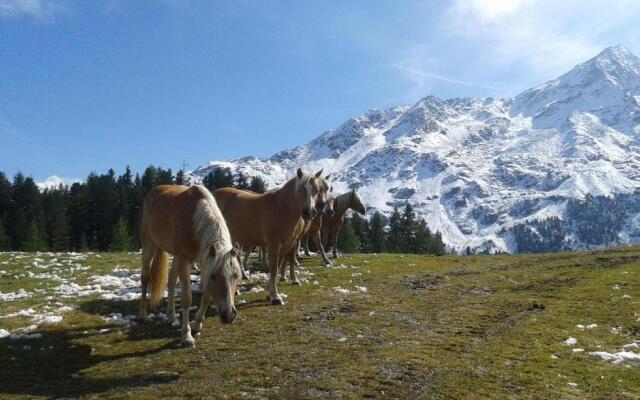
point(188, 344)
point(277, 302)
point(296, 283)
point(283, 279)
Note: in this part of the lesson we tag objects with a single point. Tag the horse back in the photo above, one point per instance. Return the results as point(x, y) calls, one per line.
point(254, 219)
point(167, 221)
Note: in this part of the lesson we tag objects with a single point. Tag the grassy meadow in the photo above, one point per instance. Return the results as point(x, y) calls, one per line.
point(372, 326)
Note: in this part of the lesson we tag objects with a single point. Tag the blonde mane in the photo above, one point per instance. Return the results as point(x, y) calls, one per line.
point(211, 229)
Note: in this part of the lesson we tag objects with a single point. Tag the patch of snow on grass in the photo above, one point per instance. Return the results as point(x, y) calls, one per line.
point(20, 294)
point(617, 358)
point(341, 290)
point(570, 341)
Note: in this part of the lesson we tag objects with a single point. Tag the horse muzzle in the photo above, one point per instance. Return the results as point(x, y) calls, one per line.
point(227, 315)
point(309, 213)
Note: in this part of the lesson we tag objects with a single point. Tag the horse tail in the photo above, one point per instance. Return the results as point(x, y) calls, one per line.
point(159, 273)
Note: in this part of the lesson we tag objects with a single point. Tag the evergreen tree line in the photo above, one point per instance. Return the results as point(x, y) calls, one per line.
point(592, 221)
point(400, 233)
point(103, 213)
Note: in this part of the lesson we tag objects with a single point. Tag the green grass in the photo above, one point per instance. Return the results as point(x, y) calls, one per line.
point(437, 328)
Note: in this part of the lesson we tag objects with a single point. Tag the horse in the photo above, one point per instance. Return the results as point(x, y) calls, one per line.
point(331, 226)
point(324, 197)
point(186, 222)
point(314, 232)
point(271, 219)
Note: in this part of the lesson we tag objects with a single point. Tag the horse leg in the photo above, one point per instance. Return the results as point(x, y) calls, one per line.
point(296, 253)
point(196, 325)
point(292, 266)
point(264, 259)
point(145, 277)
point(184, 273)
point(274, 260)
point(306, 246)
point(245, 262)
point(335, 245)
point(320, 249)
point(171, 289)
point(283, 266)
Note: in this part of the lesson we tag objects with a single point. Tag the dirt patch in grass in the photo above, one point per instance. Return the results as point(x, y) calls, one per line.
point(430, 282)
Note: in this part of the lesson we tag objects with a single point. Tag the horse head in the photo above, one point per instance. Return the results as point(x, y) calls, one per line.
point(307, 190)
point(355, 202)
point(324, 205)
point(223, 283)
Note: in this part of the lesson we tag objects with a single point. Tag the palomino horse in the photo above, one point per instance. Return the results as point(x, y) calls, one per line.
point(331, 226)
point(314, 232)
point(325, 206)
point(270, 219)
point(186, 222)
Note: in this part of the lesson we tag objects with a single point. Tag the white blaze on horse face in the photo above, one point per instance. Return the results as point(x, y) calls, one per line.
point(223, 287)
point(307, 194)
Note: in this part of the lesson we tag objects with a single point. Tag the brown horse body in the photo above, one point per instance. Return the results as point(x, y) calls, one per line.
point(186, 222)
point(330, 226)
point(325, 198)
point(271, 220)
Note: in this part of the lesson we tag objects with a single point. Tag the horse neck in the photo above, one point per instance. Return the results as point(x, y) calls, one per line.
point(286, 199)
point(342, 205)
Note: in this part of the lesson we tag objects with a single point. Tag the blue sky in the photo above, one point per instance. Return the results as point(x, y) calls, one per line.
point(92, 85)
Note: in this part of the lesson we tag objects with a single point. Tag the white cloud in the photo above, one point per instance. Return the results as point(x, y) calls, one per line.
point(547, 36)
point(42, 10)
point(487, 11)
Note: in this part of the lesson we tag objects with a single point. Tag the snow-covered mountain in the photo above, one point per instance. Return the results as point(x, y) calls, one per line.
point(54, 181)
point(476, 167)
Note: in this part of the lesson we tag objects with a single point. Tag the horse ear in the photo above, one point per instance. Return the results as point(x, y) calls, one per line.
point(300, 173)
point(319, 173)
point(327, 177)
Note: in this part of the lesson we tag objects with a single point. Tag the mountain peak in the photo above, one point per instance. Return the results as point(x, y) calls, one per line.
point(617, 52)
point(475, 168)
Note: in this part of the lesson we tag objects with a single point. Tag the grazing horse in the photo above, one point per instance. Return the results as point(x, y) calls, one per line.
point(324, 206)
point(331, 226)
point(186, 222)
point(271, 219)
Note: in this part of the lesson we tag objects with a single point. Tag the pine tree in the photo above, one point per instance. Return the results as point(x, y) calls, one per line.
point(121, 239)
point(258, 185)
point(394, 236)
point(164, 177)
point(408, 230)
point(439, 249)
point(21, 229)
point(348, 241)
point(34, 240)
point(82, 244)
point(241, 181)
point(361, 229)
point(376, 233)
point(5, 197)
point(149, 179)
point(5, 242)
point(182, 178)
point(56, 219)
point(77, 215)
point(423, 239)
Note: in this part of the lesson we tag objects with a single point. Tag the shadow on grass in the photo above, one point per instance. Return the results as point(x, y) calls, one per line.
point(52, 366)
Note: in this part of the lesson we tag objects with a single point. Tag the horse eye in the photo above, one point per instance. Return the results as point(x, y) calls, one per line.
point(213, 277)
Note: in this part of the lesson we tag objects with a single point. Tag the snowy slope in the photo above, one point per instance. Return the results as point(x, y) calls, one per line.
point(476, 167)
